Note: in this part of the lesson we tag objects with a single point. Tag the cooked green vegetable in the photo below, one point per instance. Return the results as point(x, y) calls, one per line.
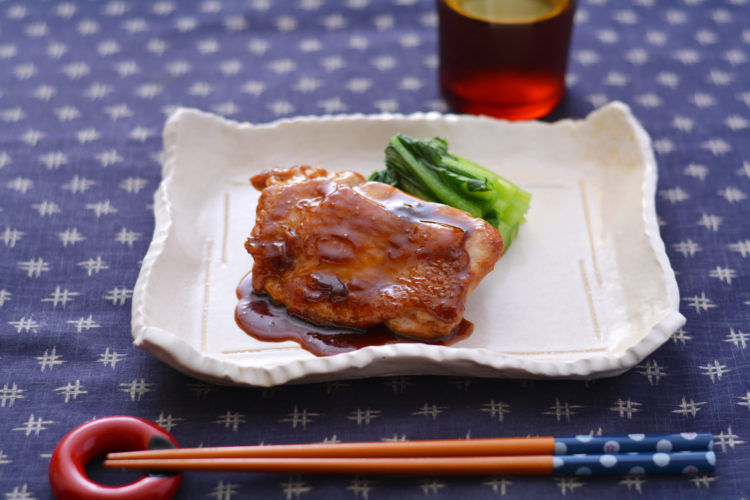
point(425, 168)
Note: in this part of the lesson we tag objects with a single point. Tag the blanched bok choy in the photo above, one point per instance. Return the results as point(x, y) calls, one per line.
point(425, 168)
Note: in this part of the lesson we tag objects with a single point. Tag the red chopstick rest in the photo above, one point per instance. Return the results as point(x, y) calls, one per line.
point(67, 468)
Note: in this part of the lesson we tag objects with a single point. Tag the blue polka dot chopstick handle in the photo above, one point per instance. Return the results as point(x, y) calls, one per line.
point(638, 443)
point(684, 462)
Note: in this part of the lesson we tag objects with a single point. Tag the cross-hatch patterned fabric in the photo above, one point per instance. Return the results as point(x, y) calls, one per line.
point(84, 92)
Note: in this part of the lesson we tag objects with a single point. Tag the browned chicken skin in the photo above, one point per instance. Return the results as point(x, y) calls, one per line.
point(336, 249)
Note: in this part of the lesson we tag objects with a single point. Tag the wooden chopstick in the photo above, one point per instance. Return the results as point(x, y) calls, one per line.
point(398, 465)
point(424, 448)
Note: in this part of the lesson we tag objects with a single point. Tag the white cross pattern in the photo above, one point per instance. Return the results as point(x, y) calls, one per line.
point(431, 486)
point(294, 487)
point(133, 185)
point(625, 408)
point(714, 370)
point(49, 359)
point(20, 493)
point(702, 480)
point(568, 484)
point(681, 336)
point(35, 267)
point(689, 408)
point(93, 265)
point(634, 482)
point(70, 237)
point(127, 237)
point(119, 296)
point(201, 389)
point(745, 400)
point(60, 297)
point(429, 410)
point(652, 370)
point(496, 409)
point(397, 384)
point(33, 425)
point(101, 208)
point(724, 274)
point(11, 236)
point(79, 184)
point(742, 247)
point(136, 388)
point(562, 410)
point(54, 160)
point(224, 491)
point(363, 416)
point(300, 418)
point(167, 421)
point(5, 296)
point(25, 324)
point(499, 485)
point(46, 208)
point(9, 394)
point(727, 439)
point(361, 487)
point(71, 390)
point(109, 157)
point(701, 303)
point(83, 323)
point(110, 358)
point(231, 420)
point(738, 338)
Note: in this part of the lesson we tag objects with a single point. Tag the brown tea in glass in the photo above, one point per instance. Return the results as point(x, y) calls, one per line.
point(504, 58)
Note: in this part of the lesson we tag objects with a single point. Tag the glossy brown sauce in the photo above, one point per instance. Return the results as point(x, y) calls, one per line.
point(261, 318)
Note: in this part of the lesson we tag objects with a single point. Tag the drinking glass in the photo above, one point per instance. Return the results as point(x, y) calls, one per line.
point(504, 58)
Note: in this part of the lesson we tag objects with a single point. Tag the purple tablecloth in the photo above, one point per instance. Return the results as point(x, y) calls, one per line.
point(85, 88)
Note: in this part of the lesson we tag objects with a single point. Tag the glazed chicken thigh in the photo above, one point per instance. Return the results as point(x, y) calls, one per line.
point(338, 250)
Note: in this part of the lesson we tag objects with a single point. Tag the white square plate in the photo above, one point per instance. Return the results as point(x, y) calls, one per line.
point(585, 291)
